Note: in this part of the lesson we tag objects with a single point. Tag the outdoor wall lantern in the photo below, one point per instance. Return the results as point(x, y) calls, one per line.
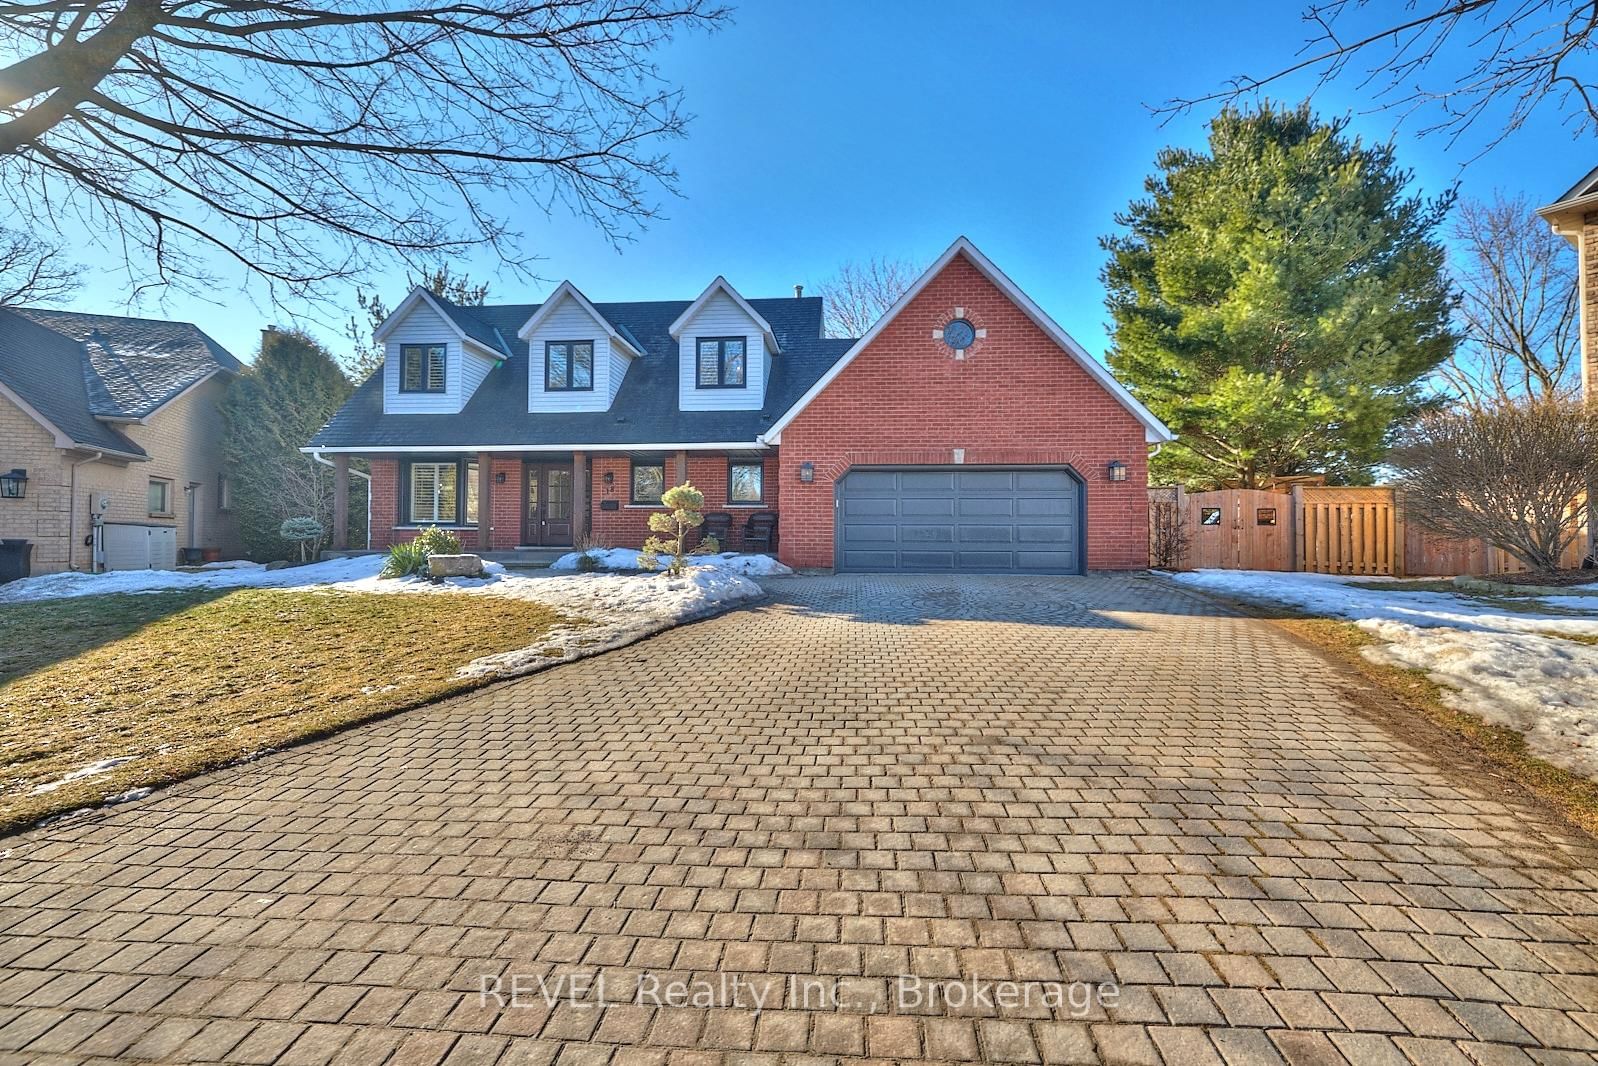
point(807, 472)
point(14, 486)
point(499, 478)
point(1117, 470)
point(610, 477)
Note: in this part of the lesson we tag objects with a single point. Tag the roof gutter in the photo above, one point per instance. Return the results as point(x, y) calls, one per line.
point(390, 449)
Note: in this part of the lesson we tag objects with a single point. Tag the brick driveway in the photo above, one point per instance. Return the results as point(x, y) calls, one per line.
point(1073, 784)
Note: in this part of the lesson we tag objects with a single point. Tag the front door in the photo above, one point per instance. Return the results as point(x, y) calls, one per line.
point(547, 518)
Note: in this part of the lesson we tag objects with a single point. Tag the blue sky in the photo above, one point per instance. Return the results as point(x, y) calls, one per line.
point(832, 131)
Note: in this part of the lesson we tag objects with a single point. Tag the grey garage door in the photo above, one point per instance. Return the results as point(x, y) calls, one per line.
point(935, 519)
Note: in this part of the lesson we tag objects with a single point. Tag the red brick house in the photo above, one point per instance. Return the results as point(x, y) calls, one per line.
point(964, 431)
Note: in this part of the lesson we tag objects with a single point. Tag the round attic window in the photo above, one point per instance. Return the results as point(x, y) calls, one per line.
point(959, 334)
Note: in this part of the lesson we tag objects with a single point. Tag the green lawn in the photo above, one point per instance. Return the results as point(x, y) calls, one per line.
point(186, 682)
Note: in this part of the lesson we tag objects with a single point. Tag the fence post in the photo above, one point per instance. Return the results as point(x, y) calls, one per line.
point(1295, 530)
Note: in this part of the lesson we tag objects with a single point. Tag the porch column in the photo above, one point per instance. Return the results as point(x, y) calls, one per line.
point(485, 502)
point(579, 496)
point(682, 469)
point(341, 503)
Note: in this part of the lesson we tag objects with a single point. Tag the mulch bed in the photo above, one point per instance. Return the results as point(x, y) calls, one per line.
point(1558, 578)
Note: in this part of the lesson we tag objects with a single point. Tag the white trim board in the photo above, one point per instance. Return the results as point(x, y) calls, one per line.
point(568, 290)
point(1155, 431)
point(721, 284)
point(420, 294)
point(446, 449)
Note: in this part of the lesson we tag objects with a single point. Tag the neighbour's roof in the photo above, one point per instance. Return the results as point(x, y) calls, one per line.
point(1581, 188)
point(83, 371)
point(645, 410)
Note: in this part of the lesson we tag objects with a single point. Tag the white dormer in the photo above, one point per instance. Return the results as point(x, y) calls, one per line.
point(576, 358)
point(724, 352)
point(431, 365)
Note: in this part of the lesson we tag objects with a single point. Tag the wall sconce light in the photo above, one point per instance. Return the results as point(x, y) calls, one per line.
point(807, 472)
point(610, 477)
point(499, 478)
point(14, 486)
point(1117, 470)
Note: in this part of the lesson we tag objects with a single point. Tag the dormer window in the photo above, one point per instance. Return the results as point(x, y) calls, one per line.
point(422, 367)
point(568, 366)
point(722, 362)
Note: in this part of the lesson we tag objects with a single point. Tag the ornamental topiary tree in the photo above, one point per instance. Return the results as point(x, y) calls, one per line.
point(686, 503)
point(301, 531)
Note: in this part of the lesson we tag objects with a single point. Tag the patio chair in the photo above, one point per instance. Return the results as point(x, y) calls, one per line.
point(760, 532)
point(718, 524)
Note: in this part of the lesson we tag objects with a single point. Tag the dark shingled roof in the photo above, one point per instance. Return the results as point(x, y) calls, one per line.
point(645, 410)
point(79, 369)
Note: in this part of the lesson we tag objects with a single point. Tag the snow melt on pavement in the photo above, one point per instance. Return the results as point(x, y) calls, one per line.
point(620, 608)
point(1504, 666)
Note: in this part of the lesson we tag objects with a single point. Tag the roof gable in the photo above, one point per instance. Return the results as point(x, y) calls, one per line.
point(722, 285)
point(1154, 430)
point(619, 336)
point(466, 326)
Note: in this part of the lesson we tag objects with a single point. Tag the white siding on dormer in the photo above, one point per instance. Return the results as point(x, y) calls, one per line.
point(424, 326)
point(570, 322)
point(721, 317)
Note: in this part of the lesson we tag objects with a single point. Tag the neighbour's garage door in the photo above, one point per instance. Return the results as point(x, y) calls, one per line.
point(128, 546)
point(983, 521)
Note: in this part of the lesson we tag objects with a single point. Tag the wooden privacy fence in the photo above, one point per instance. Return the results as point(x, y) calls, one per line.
point(1323, 530)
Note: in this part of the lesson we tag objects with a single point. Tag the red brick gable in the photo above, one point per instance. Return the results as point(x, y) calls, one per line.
point(1016, 398)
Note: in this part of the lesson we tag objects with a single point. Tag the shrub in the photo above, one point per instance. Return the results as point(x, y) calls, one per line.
point(686, 515)
point(588, 564)
point(301, 531)
point(411, 558)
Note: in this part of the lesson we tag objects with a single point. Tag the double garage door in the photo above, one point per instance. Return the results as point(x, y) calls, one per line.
point(931, 519)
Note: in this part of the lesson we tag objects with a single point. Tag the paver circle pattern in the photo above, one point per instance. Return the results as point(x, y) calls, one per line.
point(1098, 782)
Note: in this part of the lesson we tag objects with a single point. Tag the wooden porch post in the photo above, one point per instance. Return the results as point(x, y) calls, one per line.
point(682, 469)
point(485, 502)
point(579, 496)
point(341, 503)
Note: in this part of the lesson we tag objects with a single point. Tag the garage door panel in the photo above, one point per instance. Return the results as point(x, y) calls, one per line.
point(936, 520)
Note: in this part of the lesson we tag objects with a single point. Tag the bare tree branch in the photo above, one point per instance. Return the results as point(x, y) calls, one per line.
point(312, 141)
point(1460, 59)
point(860, 293)
point(33, 271)
point(1518, 312)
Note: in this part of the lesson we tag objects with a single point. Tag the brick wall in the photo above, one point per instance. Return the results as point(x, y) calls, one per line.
point(1016, 398)
point(628, 526)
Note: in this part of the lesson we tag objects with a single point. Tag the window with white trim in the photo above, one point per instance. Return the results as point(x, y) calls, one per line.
point(160, 496)
point(746, 483)
point(442, 493)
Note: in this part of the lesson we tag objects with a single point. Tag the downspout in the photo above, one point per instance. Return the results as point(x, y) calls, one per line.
point(72, 513)
point(360, 474)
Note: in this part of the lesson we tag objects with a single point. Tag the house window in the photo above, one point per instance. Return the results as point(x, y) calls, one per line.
point(160, 497)
point(649, 481)
point(746, 483)
point(722, 362)
point(422, 367)
point(224, 493)
point(443, 493)
point(568, 366)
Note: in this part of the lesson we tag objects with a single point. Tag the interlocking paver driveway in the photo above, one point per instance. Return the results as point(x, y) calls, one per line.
point(1086, 782)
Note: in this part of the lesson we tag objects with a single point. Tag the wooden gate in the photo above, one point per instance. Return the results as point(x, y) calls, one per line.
point(1347, 530)
point(1239, 529)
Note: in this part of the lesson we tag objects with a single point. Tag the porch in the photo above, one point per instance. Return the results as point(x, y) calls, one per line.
point(538, 504)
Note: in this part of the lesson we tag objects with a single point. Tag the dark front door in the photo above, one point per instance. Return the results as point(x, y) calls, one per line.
point(547, 518)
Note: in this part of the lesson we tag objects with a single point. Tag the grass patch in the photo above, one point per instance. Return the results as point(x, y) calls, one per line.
point(1499, 752)
point(187, 682)
point(1589, 639)
point(1415, 585)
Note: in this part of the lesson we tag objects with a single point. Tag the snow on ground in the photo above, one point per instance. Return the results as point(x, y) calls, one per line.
point(621, 608)
point(81, 772)
point(627, 559)
point(1513, 668)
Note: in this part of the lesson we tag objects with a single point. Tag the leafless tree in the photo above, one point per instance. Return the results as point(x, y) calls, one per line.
point(1458, 58)
point(1169, 536)
point(859, 293)
point(1517, 282)
point(366, 354)
point(33, 271)
point(309, 140)
point(1512, 473)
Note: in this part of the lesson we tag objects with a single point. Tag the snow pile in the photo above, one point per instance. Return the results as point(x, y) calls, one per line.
point(233, 564)
point(627, 559)
point(81, 772)
point(620, 608)
point(1512, 668)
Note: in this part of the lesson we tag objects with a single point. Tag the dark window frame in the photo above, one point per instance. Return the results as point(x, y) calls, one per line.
point(426, 350)
point(632, 481)
point(721, 363)
point(758, 465)
point(548, 387)
point(465, 484)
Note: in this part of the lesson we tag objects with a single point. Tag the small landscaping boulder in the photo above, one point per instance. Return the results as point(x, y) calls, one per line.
point(439, 566)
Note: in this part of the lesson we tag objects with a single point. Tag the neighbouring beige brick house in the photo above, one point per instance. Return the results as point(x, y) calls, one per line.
point(117, 424)
point(1574, 216)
